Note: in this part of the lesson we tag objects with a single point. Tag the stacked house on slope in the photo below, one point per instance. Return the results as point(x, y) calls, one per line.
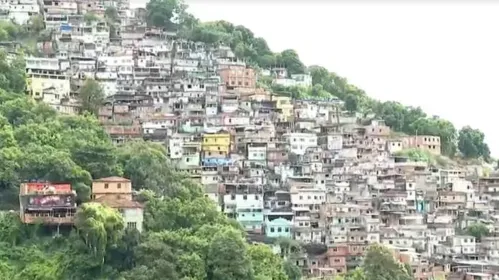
point(283, 167)
point(116, 192)
point(47, 203)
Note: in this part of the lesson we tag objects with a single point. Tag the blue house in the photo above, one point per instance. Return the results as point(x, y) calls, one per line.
point(279, 227)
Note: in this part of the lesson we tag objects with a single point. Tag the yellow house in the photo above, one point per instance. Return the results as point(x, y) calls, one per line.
point(285, 104)
point(36, 85)
point(216, 143)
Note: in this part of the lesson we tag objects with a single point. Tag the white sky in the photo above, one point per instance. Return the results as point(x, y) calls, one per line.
point(442, 56)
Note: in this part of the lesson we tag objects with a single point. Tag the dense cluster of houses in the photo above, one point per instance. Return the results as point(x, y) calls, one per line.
point(284, 168)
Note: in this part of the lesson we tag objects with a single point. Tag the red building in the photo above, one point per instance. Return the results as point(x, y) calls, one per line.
point(238, 77)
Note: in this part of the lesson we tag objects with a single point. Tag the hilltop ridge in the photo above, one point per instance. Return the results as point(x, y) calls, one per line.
point(466, 143)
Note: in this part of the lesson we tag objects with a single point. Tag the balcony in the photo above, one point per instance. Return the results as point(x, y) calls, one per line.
point(49, 218)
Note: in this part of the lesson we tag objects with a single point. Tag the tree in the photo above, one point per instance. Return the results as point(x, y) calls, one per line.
point(228, 258)
point(181, 213)
point(292, 270)
point(148, 167)
point(12, 73)
point(91, 96)
point(414, 121)
point(47, 163)
point(99, 226)
point(266, 264)
point(379, 264)
point(356, 274)
point(477, 230)
point(472, 143)
point(351, 103)
point(291, 60)
point(90, 17)
point(318, 91)
point(320, 75)
point(10, 228)
point(155, 260)
point(36, 24)
point(111, 14)
point(162, 13)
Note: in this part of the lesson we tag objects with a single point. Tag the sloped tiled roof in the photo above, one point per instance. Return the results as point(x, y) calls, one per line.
point(119, 203)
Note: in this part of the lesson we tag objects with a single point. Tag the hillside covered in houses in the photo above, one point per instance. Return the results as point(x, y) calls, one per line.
point(144, 144)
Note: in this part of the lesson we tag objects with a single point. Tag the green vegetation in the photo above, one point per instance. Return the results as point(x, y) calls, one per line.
point(90, 17)
point(185, 236)
point(471, 143)
point(417, 155)
point(25, 34)
point(315, 92)
point(111, 14)
point(91, 96)
point(477, 230)
point(12, 73)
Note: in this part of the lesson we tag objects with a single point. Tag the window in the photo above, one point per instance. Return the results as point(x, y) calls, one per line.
point(131, 225)
point(106, 186)
point(245, 197)
point(272, 229)
point(119, 185)
point(279, 229)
